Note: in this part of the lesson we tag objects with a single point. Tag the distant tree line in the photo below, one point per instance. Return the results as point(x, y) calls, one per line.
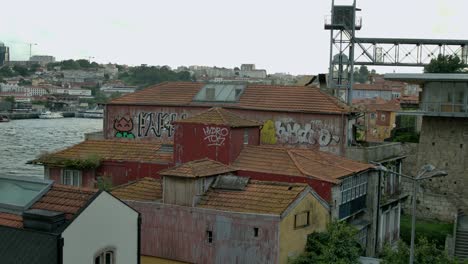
point(17, 70)
point(446, 64)
point(81, 64)
point(144, 76)
point(362, 74)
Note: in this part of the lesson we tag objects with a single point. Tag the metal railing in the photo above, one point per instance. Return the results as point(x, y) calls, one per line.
point(329, 23)
point(444, 107)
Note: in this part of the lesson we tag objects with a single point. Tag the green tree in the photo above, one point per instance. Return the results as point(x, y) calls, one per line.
point(6, 72)
point(144, 76)
point(21, 70)
point(337, 245)
point(425, 253)
point(445, 64)
point(9, 99)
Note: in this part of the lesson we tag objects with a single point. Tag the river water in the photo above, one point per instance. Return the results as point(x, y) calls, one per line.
point(24, 140)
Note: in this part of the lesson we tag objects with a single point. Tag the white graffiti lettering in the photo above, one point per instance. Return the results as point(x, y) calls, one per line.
point(311, 133)
point(215, 135)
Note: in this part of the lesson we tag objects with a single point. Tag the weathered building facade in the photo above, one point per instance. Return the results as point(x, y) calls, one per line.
point(442, 143)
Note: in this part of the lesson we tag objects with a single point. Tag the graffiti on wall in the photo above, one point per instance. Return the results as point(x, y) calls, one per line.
point(123, 126)
point(314, 132)
point(157, 124)
point(215, 136)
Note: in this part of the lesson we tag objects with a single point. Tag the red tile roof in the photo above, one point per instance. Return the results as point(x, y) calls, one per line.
point(117, 150)
point(11, 220)
point(220, 116)
point(380, 86)
point(258, 197)
point(66, 199)
point(255, 97)
point(297, 162)
point(145, 189)
point(198, 168)
point(173, 93)
point(378, 104)
point(58, 198)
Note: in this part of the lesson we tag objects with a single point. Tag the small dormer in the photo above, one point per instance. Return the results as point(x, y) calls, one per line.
point(217, 134)
point(186, 183)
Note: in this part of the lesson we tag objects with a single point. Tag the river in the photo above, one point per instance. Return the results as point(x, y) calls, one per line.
point(24, 140)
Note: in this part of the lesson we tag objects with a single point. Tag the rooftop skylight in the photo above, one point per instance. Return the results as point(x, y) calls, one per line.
point(220, 93)
point(18, 193)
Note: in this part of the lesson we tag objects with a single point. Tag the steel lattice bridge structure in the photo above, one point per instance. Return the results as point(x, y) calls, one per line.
point(406, 52)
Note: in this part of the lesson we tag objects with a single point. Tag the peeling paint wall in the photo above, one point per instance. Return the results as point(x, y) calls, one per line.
point(326, 132)
point(180, 233)
point(292, 239)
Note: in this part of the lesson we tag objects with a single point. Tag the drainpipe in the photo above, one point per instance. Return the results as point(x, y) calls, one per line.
point(139, 239)
point(60, 249)
point(378, 215)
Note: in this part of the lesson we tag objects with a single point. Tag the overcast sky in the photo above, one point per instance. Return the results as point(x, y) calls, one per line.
point(277, 35)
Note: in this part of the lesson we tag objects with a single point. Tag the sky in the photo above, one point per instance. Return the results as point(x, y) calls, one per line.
point(276, 35)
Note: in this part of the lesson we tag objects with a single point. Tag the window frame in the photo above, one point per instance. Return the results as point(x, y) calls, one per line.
point(101, 254)
point(72, 177)
point(307, 222)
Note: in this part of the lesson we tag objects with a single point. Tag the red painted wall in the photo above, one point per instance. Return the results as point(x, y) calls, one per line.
point(321, 187)
point(119, 172)
point(180, 233)
point(326, 132)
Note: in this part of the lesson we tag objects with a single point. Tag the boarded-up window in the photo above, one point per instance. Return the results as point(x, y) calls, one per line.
point(301, 219)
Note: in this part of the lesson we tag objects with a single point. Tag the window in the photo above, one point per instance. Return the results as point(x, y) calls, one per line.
point(361, 237)
point(353, 187)
point(105, 257)
point(382, 117)
point(255, 231)
point(372, 115)
point(246, 136)
point(209, 236)
point(210, 94)
point(301, 219)
point(71, 177)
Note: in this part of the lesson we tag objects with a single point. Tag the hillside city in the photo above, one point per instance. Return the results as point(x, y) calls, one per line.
point(234, 164)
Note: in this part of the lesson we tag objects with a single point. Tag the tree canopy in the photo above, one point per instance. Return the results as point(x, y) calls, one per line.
point(361, 74)
point(445, 64)
point(337, 245)
point(144, 76)
point(81, 64)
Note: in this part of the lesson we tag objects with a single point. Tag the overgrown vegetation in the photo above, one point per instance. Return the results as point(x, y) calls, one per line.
point(425, 253)
point(445, 64)
point(104, 183)
point(435, 231)
point(406, 136)
point(18, 70)
point(89, 162)
point(144, 76)
point(337, 245)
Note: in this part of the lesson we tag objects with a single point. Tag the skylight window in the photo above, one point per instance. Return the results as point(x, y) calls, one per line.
point(220, 93)
point(18, 193)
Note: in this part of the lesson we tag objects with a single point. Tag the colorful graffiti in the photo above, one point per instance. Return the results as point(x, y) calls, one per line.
point(215, 135)
point(314, 132)
point(124, 127)
point(157, 124)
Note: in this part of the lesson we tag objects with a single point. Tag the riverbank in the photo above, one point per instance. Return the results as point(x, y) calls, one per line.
point(34, 115)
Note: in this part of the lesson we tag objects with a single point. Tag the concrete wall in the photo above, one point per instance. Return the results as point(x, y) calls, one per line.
point(105, 223)
point(444, 144)
point(293, 240)
point(180, 233)
point(326, 132)
point(374, 151)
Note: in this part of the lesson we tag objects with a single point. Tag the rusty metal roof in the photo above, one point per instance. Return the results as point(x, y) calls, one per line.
point(258, 197)
point(116, 150)
point(297, 162)
point(197, 168)
point(254, 97)
point(220, 116)
point(145, 189)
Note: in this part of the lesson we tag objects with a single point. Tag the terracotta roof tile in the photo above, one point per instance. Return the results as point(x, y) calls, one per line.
point(198, 168)
point(116, 150)
point(11, 220)
point(220, 116)
point(378, 104)
point(258, 197)
point(145, 189)
point(297, 162)
point(66, 199)
point(255, 97)
point(174, 93)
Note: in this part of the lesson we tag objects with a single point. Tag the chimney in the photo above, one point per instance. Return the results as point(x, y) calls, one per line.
point(43, 220)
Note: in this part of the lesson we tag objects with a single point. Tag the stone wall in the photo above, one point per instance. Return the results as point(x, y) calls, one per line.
point(444, 144)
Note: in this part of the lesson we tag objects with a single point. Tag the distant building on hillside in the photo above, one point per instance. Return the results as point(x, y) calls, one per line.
point(42, 59)
point(4, 54)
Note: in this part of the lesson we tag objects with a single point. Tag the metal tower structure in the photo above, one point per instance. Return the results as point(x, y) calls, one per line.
point(346, 50)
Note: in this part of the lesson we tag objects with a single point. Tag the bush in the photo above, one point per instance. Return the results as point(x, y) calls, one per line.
point(434, 231)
